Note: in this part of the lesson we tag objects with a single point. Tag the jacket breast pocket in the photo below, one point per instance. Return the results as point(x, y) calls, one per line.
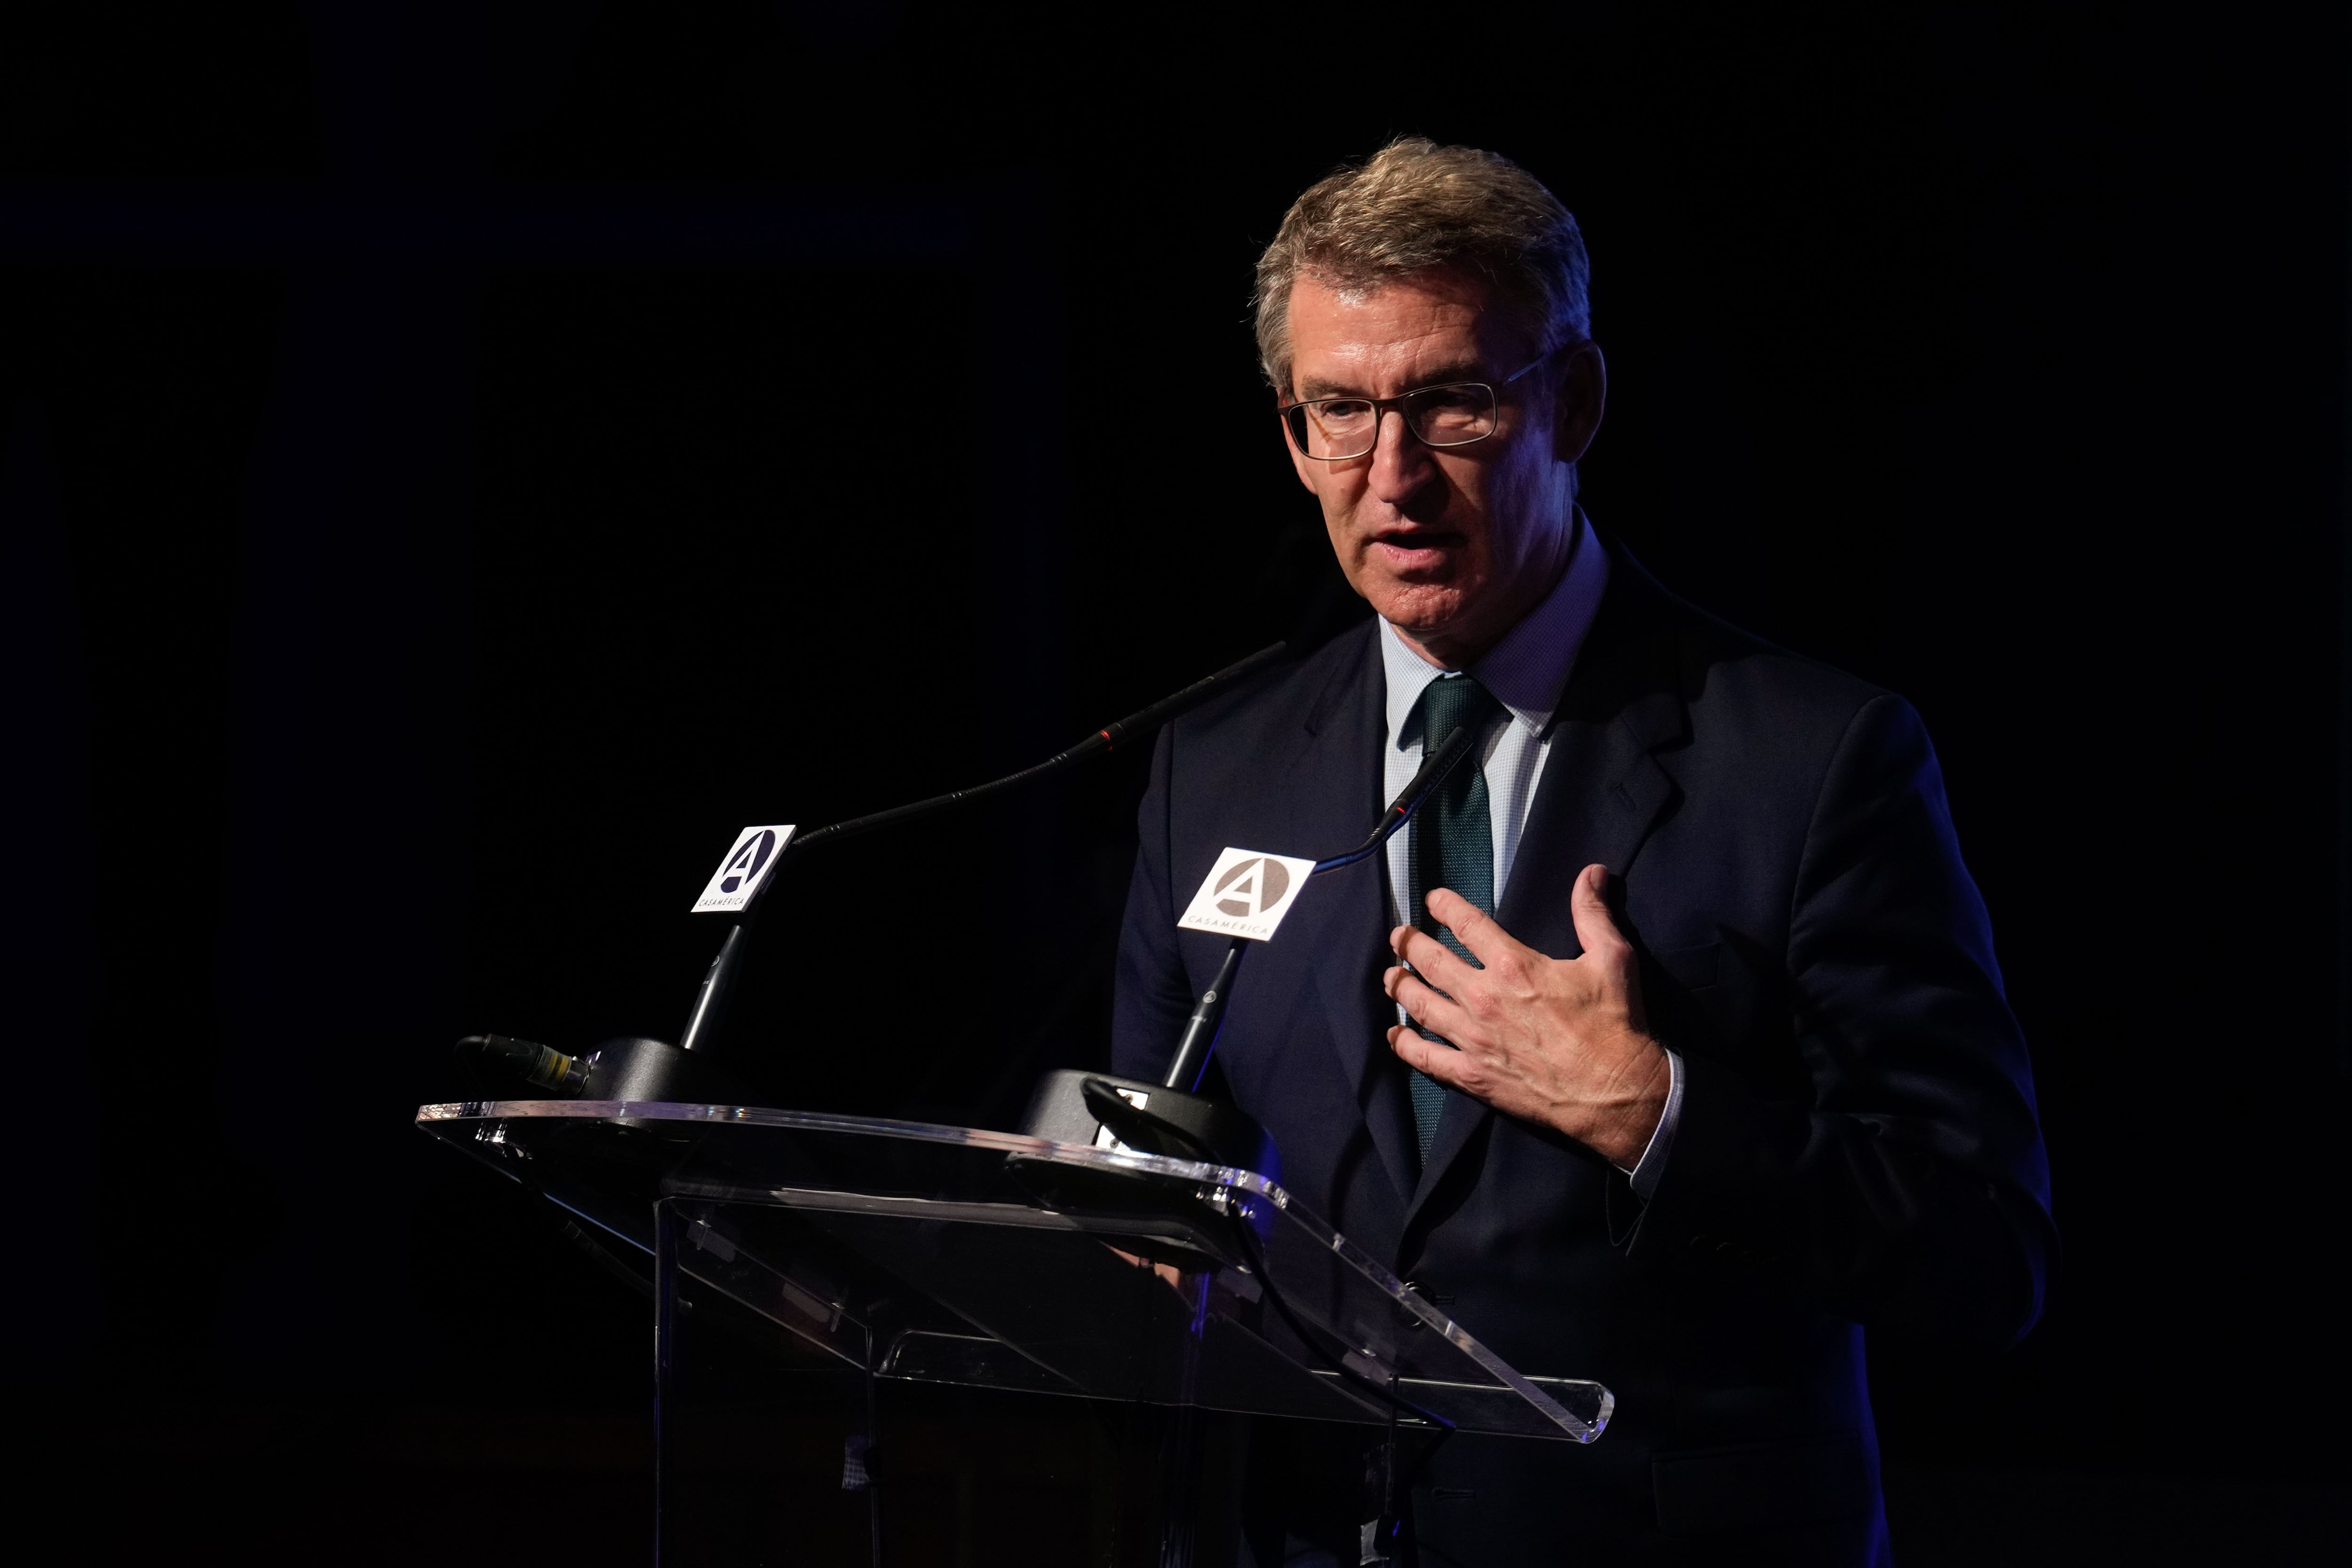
point(1682, 991)
point(1692, 968)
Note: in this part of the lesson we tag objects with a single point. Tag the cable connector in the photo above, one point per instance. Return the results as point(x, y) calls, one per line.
point(542, 1066)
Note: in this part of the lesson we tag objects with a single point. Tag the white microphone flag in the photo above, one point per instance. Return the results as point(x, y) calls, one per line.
point(746, 869)
point(1247, 894)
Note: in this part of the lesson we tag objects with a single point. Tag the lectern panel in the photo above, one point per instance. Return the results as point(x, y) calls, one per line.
point(992, 1259)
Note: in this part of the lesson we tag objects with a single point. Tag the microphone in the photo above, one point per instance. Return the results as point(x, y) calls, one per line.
point(1134, 727)
point(1434, 770)
point(637, 1068)
point(1172, 1117)
point(709, 1002)
point(1200, 1041)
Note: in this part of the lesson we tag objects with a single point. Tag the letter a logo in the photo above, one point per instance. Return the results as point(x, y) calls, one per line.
point(746, 862)
point(1246, 893)
point(1253, 886)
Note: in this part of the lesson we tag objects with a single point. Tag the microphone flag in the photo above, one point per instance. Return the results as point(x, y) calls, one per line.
point(1246, 894)
point(746, 869)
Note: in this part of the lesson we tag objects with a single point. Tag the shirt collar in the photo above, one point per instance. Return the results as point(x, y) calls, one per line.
point(1529, 670)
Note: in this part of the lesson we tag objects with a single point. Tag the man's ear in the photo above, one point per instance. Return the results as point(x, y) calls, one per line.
point(1578, 396)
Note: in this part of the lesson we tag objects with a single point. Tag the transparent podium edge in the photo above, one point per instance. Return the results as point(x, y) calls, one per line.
point(1084, 1156)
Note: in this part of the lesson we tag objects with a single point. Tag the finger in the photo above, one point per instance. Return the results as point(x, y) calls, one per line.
point(1432, 959)
point(1445, 1066)
point(1426, 1006)
point(1476, 929)
point(1596, 929)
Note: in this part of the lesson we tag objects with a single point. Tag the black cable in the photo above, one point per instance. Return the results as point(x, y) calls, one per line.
point(1393, 1484)
point(1247, 1236)
point(1165, 1131)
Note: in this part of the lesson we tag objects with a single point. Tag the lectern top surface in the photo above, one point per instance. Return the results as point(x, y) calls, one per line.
point(961, 1255)
point(689, 1115)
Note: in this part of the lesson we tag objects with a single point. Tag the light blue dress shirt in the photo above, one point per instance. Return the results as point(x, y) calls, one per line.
point(1527, 672)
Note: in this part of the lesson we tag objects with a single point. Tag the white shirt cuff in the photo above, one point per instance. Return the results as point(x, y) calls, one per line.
point(1653, 1162)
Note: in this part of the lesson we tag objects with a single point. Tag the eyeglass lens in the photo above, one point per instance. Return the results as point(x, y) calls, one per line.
point(1335, 429)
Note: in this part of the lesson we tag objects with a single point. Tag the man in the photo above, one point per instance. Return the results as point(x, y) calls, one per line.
point(1668, 1048)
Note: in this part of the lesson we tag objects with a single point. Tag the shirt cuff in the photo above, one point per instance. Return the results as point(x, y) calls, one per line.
point(1653, 1162)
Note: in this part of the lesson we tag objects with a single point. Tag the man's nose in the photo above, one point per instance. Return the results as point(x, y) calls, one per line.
point(1400, 463)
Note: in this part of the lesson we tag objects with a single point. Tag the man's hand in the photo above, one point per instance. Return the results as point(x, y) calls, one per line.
point(1556, 1041)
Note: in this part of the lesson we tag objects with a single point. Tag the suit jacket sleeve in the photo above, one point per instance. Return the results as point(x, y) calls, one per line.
point(1910, 1183)
point(1152, 996)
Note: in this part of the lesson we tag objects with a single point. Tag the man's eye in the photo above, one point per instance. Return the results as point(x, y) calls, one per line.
point(1450, 399)
point(1340, 410)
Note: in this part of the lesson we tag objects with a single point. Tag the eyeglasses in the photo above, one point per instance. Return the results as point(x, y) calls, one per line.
point(1459, 414)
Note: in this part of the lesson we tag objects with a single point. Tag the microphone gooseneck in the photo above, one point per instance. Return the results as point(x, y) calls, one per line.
point(1433, 773)
point(710, 1001)
point(1200, 1030)
point(1135, 726)
point(1200, 1039)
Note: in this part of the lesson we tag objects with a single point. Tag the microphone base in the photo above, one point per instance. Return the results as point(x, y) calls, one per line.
point(634, 1068)
point(1151, 1118)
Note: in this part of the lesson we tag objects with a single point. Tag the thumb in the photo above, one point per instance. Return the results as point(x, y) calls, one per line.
point(1595, 928)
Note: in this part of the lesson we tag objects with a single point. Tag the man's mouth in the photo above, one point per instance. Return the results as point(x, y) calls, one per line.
point(1414, 549)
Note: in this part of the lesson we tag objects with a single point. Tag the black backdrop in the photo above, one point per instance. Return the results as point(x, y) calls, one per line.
point(463, 462)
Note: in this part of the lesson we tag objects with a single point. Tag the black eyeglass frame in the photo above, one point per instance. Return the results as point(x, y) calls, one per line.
point(1297, 428)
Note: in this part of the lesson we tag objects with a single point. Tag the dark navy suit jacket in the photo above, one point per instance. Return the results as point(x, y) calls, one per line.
point(1858, 1142)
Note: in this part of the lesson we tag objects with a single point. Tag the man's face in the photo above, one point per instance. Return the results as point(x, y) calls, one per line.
point(1452, 545)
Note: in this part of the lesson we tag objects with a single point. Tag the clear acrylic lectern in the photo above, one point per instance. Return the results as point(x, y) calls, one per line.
point(990, 1260)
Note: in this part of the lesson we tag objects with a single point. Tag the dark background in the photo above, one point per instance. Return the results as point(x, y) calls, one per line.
point(462, 461)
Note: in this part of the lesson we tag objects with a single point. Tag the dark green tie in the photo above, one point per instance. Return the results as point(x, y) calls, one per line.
point(1452, 847)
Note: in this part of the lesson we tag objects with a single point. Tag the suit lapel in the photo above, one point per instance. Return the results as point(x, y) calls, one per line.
point(1601, 794)
point(1337, 934)
point(1346, 997)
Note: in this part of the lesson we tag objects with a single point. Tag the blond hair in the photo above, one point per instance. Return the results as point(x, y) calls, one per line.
point(1413, 206)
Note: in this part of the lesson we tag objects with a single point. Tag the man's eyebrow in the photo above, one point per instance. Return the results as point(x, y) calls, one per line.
point(1313, 387)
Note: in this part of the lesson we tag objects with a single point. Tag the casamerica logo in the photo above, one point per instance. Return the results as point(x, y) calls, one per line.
point(1246, 894)
point(745, 865)
point(1251, 887)
point(751, 861)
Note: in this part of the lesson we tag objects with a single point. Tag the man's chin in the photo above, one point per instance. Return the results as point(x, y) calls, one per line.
point(1420, 611)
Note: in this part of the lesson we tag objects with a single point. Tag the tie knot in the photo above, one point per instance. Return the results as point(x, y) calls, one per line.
point(1451, 700)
